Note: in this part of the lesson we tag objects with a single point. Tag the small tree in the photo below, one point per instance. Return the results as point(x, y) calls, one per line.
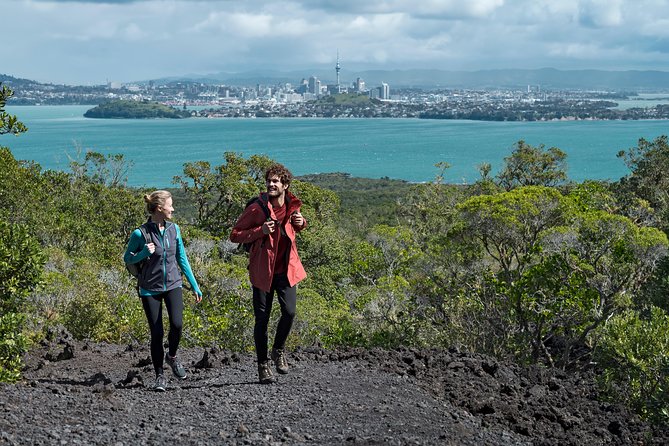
point(111, 170)
point(533, 166)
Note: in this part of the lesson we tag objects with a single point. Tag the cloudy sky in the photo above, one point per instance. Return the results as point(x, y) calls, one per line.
point(91, 42)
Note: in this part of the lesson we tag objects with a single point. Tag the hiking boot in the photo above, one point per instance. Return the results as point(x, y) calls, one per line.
point(176, 366)
point(160, 384)
point(279, 358)
point(265, 375)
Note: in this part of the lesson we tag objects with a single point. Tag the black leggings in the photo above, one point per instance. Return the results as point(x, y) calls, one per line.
point(153, 308)
point(262, 309)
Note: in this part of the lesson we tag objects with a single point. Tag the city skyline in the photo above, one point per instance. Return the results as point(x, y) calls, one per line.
point(91, 42)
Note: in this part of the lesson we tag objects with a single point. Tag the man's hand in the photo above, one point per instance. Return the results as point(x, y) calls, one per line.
point(268, 227)
point(297, 219)
point(151, 247)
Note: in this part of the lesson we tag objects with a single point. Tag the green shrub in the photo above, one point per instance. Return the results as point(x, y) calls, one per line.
point(322, 322)
point(224, 318)
point(21, 262)
point(634, 351)
point(90, 301)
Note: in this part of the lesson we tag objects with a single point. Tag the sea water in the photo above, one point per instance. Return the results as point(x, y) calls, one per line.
point(405, 149)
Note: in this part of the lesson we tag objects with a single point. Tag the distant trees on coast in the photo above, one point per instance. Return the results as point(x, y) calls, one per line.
point(135, 110)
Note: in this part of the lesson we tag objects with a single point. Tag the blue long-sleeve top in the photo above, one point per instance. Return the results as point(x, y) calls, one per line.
point(159, 273)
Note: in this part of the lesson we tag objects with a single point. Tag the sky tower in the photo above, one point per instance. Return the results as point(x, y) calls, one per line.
point(337, 68)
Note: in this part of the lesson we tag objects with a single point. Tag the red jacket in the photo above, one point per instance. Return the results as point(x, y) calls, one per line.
point(262, 256)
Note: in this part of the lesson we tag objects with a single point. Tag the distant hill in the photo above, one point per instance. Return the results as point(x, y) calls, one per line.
point(15, 82)
point(545, 78)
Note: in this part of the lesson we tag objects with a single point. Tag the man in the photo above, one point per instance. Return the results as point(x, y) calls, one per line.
point(270, 224)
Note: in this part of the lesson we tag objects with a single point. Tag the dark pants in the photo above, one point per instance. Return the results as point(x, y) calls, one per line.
point(153, 308)
point(262, 309)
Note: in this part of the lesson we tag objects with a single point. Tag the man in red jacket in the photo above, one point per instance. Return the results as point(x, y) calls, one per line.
point(270, 224)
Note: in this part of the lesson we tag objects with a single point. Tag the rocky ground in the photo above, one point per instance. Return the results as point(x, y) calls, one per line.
point(79, 393)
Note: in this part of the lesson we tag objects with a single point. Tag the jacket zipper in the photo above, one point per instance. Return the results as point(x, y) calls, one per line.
point(162, 244)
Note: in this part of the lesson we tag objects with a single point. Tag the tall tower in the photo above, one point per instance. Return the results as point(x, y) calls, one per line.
point(337, 68)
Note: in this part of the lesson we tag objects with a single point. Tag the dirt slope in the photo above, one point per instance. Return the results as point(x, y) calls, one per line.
point(77, 393)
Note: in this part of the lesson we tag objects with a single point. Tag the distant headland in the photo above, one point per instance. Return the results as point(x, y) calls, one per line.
point(129, 109)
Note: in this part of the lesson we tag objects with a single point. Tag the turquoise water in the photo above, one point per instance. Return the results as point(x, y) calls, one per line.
point(397, 148)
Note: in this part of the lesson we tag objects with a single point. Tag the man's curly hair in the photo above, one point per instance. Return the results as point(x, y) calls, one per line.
point(280, 171)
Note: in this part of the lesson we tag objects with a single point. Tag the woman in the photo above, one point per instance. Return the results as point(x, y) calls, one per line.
point(160, 280)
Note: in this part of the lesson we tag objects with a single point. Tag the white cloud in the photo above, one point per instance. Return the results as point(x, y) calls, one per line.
point(656, 28)
point(378, 26)
point(253, 26)
point(441, 8)
point(601, 13)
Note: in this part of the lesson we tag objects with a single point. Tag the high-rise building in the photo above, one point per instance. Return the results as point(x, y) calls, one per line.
point(314, 85)
point(359, 85)
point(384, 91)
point(303, 87)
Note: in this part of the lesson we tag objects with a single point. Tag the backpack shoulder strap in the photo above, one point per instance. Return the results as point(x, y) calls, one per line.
point(262, 202)
point(145, 233)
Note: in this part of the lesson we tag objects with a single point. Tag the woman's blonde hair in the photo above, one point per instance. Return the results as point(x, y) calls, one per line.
point(155, 199)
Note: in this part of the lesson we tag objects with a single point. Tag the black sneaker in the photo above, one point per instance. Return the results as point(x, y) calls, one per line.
point(160, 384)
point(279, 358)
point(265, 375)
point(176, 366)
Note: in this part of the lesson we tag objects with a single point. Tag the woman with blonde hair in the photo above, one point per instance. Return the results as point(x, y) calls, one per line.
point(164, 258)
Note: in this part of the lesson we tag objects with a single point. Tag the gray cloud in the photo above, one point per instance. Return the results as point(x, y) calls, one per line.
point(90, 41)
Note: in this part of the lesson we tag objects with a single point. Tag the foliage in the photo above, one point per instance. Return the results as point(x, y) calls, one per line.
point(345, 99)
point(364, 201)
point(320, 205)
point(430, 208)
point(225, 316)
point(325, 253)
point(648, 180)
point(135, 109)
point(508, 225)
point(68, 212)
point(20, 188)
point(558, 273)
point(324, 322)
point(111, 170)
point(533, 166)
point(8, 123)
point(656, 290)
point(21, 261)
point(634, 352)
point(91, 301)
point(20, 255)
point(379, 293)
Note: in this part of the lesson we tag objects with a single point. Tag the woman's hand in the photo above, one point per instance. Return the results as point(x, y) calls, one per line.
point(151, 247)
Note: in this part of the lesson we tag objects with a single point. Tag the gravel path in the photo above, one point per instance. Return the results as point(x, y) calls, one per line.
point(77, 393)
